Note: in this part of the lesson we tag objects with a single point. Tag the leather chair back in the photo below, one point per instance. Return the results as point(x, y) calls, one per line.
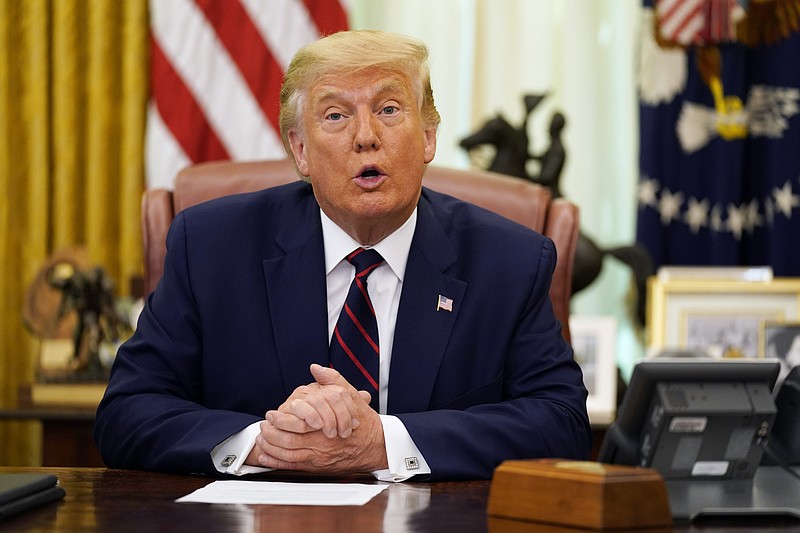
point(521, 201)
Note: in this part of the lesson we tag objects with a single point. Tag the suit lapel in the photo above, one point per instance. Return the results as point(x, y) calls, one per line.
point(296, 294)
point(422, 332)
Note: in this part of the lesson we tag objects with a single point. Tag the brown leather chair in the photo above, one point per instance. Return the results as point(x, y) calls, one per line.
point(522, 201)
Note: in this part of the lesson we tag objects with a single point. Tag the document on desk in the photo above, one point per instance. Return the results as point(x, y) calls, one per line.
point(280, 493)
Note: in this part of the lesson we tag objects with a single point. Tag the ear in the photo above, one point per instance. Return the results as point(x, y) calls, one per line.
point(430, 144)
point(297, 144)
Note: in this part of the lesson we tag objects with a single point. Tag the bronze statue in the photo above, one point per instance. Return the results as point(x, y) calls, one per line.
point(90, 294)
point(551, 162)
point(511, 143)
point(70, 299)
point(512, 156)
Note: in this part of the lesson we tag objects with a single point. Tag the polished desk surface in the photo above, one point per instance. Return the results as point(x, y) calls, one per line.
point(100, 499)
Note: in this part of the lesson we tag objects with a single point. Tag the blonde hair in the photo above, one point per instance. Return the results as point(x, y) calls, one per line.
point(350, 51)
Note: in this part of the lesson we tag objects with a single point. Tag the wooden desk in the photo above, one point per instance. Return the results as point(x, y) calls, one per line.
point(72, 429)
point(119, 500)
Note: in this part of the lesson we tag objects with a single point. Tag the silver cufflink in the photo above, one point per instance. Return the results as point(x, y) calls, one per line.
point(228, 461)
point(412, 463)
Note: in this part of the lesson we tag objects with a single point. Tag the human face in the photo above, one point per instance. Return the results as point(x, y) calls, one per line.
point(364, 148)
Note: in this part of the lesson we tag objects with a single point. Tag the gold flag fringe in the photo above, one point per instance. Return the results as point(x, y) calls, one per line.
point(769, 21)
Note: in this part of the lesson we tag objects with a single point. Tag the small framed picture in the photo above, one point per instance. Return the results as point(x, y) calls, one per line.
point(781, 340)
point(594, 344)
point(717, 317)
point(723, 335)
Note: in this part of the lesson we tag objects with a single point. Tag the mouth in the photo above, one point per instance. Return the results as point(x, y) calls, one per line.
point(369, 172)
point(370, 177)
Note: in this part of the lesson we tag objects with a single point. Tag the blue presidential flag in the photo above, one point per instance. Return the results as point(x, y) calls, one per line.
point(720, 134)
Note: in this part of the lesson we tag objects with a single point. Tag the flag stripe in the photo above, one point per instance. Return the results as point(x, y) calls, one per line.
point(686, 15)
point(689, 32)
point(207, 69)
point(216, 73)
point(165, 157)
point(328, 15)
point(180, 111)
point(295, 30)
point(241, 38)
point(682, 20)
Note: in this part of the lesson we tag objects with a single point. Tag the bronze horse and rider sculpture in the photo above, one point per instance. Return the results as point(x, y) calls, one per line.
point(512, 156)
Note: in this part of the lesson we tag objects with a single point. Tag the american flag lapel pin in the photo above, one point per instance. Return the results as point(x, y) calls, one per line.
point(444, 304)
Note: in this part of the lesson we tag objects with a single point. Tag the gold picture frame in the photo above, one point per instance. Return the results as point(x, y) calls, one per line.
point(717, 317)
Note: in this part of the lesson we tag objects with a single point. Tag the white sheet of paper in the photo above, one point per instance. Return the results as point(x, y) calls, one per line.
point(280, 493)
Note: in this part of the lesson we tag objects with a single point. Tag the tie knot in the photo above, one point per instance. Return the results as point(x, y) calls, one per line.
point(365, 261)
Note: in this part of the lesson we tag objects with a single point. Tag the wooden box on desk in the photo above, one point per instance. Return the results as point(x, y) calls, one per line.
point(579, 494)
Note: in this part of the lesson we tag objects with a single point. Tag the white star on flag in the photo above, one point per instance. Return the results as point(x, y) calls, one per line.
point(697, 214)
point(785, 199)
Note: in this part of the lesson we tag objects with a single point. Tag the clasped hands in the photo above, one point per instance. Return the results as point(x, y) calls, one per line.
point(326, 427)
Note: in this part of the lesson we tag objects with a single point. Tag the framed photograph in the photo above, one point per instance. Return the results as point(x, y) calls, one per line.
point(781, 340)
point(594, 344)
point(720, 318)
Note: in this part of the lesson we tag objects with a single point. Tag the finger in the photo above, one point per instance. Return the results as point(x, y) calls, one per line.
point(267, 461)
point(345, 410)
point(263, 456)
point(359, 399)
point(286, 448)
point(336, 407)
point(301, 392)
point(328, 376)
point(317, 409)
point(289, 422)
point(292, 405)
point(363, 452)
point(310, 408)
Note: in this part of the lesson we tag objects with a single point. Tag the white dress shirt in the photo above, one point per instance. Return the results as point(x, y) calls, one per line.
point(384, 286)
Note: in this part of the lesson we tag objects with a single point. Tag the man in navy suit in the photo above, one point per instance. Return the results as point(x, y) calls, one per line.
point(229, 370)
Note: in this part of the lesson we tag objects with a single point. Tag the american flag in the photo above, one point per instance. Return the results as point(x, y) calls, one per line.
point(444, 303)
point(697, 22)
point(708, 199)
point(216, 70)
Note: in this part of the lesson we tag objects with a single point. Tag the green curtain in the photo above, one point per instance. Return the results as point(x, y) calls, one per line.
point(73, 98)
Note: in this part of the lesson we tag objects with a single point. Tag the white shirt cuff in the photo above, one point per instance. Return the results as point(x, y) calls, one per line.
point(230, 454)
point(403, 456)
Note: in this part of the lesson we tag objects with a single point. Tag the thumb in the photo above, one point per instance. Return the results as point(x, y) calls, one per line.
point(328, 376)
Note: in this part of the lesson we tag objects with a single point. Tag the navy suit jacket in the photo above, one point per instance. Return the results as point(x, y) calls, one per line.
point(241, 313)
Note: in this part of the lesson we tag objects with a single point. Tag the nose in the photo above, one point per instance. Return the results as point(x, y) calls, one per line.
point(366, 135)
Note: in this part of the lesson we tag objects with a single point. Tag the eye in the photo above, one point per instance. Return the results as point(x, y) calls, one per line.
point(390, 110)
point(334, 116)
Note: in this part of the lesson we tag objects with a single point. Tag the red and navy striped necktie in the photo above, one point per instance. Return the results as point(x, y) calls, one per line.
point(354, 350)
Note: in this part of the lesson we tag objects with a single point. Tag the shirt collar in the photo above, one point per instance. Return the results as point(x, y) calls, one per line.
point(394, 248)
